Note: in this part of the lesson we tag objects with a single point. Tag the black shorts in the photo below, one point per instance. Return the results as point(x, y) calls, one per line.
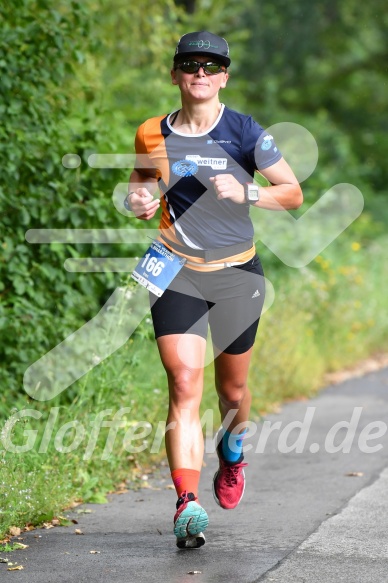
point(229, 300)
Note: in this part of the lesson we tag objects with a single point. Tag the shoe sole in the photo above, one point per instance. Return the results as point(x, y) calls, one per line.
point(215, 495)
point(191, 542)
point(191, 521)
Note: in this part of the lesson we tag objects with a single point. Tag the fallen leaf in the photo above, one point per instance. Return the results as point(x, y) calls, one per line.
point(21, 546)
point(55, 522)
point(14, 531)
point(355, 474)
point(194, 572)
point(159, 531)
point(74, 521)
point(18, 568)
point(170, 487)
point(94, 552)
point(47, 525)
point(73, 504)
point(78, 531)
point(3, 560)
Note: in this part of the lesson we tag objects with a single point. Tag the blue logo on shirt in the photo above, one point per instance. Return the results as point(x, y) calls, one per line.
point(266, 144)
point(184, 168)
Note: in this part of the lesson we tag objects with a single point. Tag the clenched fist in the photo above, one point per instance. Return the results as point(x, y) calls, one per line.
point(226, 186)
point(143, 204)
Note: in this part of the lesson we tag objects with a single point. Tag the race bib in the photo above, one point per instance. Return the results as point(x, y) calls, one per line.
point(157, 268)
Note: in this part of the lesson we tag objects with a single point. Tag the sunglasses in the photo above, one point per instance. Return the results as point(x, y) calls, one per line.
point(194, 67)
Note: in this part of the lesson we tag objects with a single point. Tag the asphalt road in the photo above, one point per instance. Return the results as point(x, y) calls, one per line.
point(317, 515)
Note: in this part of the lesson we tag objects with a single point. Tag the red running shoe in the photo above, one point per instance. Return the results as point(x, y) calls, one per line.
point(189, 521)
point(229, 482)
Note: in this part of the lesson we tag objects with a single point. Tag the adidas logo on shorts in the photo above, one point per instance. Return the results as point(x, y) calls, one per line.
point(256, 294)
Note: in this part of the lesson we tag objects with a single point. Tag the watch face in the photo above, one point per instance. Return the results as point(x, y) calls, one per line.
point(253, 192)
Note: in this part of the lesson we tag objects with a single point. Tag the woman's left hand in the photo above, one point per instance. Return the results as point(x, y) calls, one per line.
point(226, 186)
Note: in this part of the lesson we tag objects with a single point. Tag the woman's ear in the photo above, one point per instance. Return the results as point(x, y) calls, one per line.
point(224, 81)
point(174, 79)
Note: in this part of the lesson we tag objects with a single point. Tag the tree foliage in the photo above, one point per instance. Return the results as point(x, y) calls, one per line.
point(324, 63)
point(40, 41)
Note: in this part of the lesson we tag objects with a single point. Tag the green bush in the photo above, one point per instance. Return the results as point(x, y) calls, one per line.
point(40, 44)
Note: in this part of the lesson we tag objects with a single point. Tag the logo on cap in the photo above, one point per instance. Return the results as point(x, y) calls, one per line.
point(202, 44)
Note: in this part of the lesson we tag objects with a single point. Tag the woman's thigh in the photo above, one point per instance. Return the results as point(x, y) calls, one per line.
point(238, 298)
point(181, 309)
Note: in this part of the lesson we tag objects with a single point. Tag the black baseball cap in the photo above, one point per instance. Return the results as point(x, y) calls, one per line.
point(202, 43)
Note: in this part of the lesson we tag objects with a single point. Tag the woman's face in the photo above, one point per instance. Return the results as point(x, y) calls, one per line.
point(197, 87)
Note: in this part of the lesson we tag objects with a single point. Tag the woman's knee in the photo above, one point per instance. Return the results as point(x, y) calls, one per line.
point(232, 393)
point(185, 386)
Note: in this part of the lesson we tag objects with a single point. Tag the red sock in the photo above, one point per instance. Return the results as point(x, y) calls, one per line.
point(185, 479)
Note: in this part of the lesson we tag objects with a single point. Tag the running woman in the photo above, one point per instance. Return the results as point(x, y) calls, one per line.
point(198, 164)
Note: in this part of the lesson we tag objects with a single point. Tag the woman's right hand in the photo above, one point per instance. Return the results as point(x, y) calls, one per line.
point(143, 204)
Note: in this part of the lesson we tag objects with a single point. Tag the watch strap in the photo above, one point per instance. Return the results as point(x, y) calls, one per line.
point(127, 204)
point(246, 191)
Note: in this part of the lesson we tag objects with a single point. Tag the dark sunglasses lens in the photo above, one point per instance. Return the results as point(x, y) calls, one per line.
point(213, 68)
point(189, 66)
point(193, 67)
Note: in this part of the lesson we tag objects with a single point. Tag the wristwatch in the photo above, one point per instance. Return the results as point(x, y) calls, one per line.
point(251, 192)
point(126, 203)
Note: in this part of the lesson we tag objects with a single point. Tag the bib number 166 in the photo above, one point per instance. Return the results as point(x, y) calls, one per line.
point(152, 265)
point(156, 270)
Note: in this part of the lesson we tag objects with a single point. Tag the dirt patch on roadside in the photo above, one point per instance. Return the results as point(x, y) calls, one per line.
point(375, 362)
